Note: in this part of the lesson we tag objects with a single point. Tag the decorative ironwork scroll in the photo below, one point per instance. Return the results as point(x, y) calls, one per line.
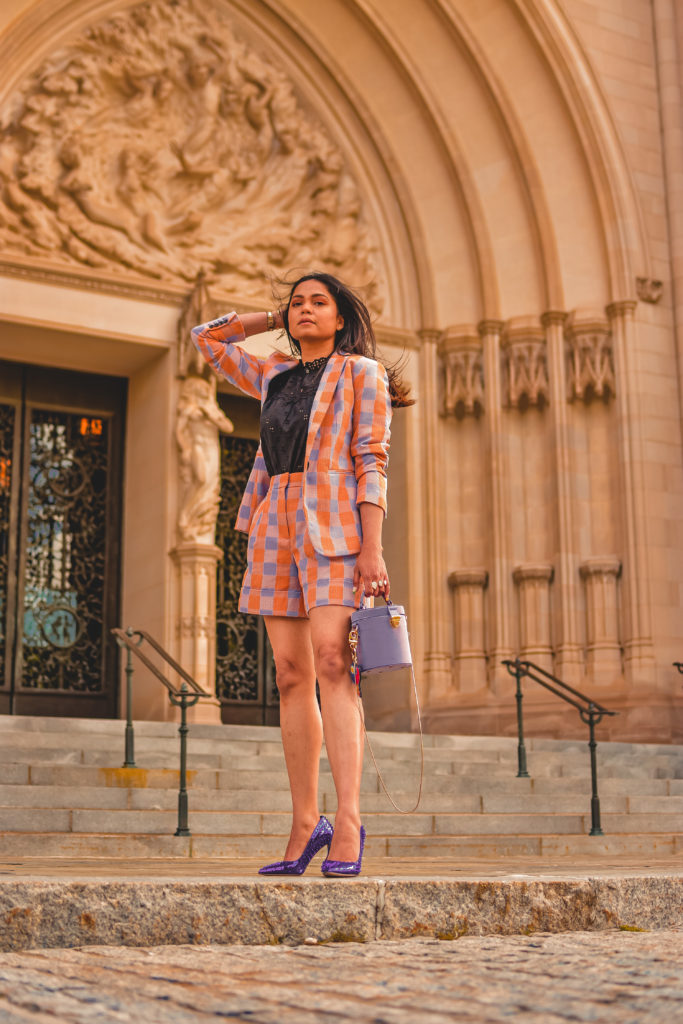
point(7, 425)
point(243, 665)
point(62, 639)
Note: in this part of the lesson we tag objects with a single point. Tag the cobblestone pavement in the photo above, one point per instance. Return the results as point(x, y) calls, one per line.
point(613, 976)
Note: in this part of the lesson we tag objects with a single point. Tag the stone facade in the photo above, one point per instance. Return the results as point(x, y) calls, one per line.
point(505, 180)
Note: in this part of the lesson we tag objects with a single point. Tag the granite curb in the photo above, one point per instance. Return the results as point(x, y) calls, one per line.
point(55, 914)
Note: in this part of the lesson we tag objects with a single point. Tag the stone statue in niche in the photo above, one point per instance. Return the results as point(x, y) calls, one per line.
point(161, 142)
point(199, 420)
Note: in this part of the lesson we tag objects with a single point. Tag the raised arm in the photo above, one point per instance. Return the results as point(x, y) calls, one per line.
point(218, 341)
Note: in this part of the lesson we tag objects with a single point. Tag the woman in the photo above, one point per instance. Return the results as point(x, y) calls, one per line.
point(313, 508)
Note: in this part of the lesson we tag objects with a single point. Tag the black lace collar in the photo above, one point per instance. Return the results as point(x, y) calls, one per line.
point(314, 364)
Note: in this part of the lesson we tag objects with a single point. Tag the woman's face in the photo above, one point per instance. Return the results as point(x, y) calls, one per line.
point(313, 314)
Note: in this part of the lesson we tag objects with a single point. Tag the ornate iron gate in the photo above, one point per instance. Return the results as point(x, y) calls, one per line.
point(60, 488)
point(245, 678)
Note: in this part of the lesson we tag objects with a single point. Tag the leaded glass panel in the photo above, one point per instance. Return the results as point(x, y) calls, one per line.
point(64, 572)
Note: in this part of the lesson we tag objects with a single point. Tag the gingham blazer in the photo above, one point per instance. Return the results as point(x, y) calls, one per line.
point(347, 447)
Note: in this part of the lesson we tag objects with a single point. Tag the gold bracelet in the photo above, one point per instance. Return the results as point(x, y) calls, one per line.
point(270, 321)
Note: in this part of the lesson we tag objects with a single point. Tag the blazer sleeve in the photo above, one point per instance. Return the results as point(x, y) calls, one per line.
point(218, 343)
point(371, 432)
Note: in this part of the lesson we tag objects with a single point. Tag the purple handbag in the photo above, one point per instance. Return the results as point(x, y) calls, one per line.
point(379, 639)
point(379, 642)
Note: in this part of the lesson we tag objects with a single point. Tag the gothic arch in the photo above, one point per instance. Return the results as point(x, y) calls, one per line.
point(422, 291)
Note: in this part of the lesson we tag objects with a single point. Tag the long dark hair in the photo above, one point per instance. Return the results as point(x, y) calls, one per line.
point(356, 336)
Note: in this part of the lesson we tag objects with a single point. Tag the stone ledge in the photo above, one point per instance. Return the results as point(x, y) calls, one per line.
point(50, 914)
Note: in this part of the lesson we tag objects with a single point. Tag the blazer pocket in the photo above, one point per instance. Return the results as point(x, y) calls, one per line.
point(332, 513)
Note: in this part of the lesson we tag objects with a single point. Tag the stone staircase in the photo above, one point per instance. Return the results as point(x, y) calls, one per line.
point(63, 794)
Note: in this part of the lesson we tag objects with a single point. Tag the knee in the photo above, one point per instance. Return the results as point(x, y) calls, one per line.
point(292, 677)
point(330, 664)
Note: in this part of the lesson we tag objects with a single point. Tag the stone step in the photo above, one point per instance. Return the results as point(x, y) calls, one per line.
point(554, 849)
point(262, 768)
point(226, 823)
point(80, 776)
point(214, 911)
point(112, 730)
point(269, 801)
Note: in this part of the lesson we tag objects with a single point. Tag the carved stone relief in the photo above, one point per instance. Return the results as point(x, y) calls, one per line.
point(590, 363)
point(649, 289)
point(525, 368)
point(460, 350)
point(161, 142)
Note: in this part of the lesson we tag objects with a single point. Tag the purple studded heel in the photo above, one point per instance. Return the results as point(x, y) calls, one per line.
point(343, 868)
point(320, 836)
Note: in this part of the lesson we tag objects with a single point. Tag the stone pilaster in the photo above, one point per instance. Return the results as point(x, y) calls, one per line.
point(468, 616)
point(638, 647)
point(568, 648)
point(196, 620)
point(533, 581)
point(438, 669)
point(500, 602)
point(603, 652)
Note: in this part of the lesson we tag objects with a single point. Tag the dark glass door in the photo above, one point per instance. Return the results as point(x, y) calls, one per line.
point(61, 441)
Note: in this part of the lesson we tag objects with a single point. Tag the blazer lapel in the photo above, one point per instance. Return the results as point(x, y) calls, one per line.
point(323, 396)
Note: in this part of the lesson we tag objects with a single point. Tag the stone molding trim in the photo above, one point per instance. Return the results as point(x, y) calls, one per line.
point(649, 289)
point(533, 571)
point(590, 359)
point(225, 141)
point(525, 366)
point(606, 566)
point(468, 578)
point(461, 355)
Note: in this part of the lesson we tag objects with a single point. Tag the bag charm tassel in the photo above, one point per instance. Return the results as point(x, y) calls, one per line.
point(355, 667)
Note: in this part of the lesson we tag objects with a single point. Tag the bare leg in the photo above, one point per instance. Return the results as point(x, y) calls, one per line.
point(341, 722)
point(300, 723)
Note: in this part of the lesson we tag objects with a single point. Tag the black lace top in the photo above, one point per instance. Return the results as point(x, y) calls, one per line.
point(285, 415)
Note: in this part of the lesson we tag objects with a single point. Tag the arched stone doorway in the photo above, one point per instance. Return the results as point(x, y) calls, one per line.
point(479, 175)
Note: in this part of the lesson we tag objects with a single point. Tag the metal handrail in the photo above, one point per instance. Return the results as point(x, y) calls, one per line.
point(181, 697)
point(589, 710)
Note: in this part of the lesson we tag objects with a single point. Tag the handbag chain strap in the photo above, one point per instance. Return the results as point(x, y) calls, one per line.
point(355, 671)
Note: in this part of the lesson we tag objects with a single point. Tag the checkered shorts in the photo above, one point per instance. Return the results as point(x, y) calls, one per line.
point(285, 574)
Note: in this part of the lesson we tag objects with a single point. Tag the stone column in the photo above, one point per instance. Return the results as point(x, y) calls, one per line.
point(568, 649)
point(196, 620)
point(468, 616)
point(500, 619)
point(438, 671)
point(603, 657)
point(638, 648)
point(668, 25)
point(533, 587)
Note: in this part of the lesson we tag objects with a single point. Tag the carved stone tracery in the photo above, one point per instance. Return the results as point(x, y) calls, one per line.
point(525, 364)
point(161, 142)
point(460, 349)
point(590, 361)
